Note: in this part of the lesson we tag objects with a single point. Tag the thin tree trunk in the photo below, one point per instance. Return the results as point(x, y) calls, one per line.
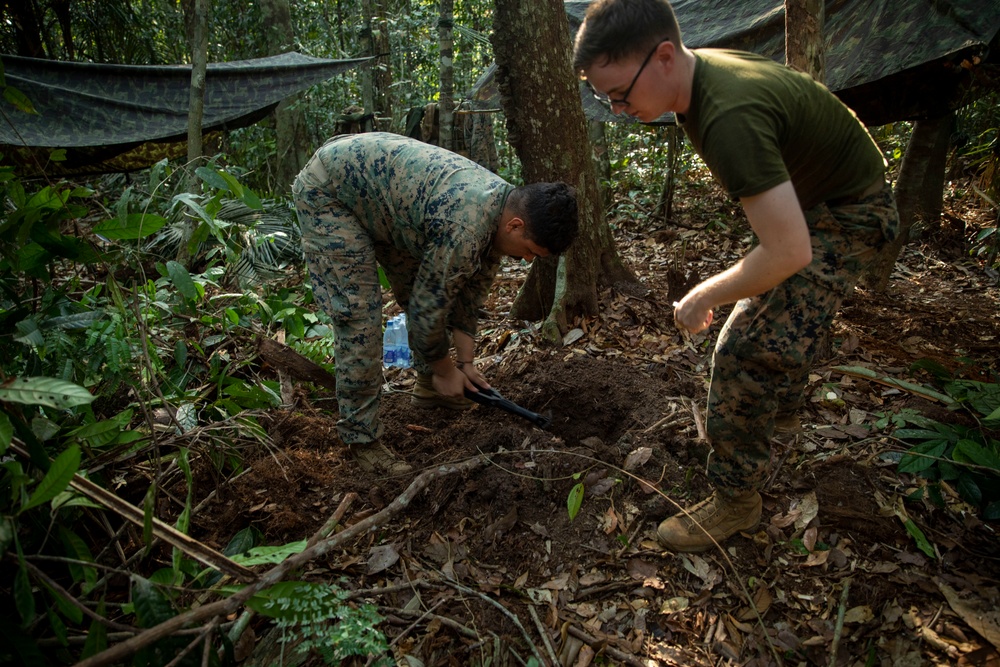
point(27, 28)
point(919, 190)
point(367, 48)
point(446, 101)
point(804, 45)
point(531, 44)
point(198, 23)
point(383, 65)
point(289, 121)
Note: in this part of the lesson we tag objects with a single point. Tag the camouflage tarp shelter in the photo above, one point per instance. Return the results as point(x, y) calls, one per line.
point(124, 117)
point(889, 60)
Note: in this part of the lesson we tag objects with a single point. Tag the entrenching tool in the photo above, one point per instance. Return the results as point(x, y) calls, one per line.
point(492, 398)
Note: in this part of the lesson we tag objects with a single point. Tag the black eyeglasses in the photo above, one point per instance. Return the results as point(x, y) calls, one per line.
point(608, 101)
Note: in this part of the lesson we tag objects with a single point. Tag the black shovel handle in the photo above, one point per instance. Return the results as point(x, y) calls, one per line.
point(492, 398)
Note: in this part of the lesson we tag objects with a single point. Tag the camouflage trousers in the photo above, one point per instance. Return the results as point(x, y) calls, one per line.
point(765, 349)
point(343, 263)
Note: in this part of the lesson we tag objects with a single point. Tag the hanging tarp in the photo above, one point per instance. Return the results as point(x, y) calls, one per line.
point(887, 59)
point(124, 117)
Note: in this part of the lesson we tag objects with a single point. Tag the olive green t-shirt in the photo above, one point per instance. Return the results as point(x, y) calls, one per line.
point(757, 124)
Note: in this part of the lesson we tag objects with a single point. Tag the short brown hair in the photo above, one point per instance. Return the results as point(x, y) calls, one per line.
point(616, 29)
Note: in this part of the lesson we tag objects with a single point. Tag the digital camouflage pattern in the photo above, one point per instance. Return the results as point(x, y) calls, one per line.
point(428, 217)
point(765, 349)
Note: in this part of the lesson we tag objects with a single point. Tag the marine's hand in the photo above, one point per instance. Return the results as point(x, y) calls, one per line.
point(451, 384)
point(475, 376)
point(688, 314)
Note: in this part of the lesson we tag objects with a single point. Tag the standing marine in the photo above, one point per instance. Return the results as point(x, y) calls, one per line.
point(812, 184)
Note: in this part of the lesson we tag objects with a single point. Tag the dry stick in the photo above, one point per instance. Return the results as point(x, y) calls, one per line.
point(503, 610)
point(544, 633)
point(603, 645)
point(427, 614)
point(334, 519)
point(839, 629)
point(229, 605)
point(444, 620)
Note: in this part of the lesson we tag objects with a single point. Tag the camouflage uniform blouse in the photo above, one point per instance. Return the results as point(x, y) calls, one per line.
point(441, 208)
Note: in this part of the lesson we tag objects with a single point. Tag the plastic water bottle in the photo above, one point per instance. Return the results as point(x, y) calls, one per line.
point(389, 344)
point(402, 342)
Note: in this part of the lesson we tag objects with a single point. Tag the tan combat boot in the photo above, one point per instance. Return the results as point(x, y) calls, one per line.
point(376, 457)
point(425, 396)
point(787, 425)
point(715, 518)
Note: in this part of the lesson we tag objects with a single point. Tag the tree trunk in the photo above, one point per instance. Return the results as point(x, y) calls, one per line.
point(804, 44)
point(368, 49)
point(602, 161)
point(383, 65)
point(446, 100)
point(289, 121)
point(198, 26)
point(919, 190)
point(531, 44)
point(27, 27)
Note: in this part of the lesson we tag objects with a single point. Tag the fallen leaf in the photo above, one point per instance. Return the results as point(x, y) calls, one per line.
point(809, 507)
point(381, 558)
point(861, 614)
point(637, 457)
point(673, 605)
point(559, 583)
point(975, 612)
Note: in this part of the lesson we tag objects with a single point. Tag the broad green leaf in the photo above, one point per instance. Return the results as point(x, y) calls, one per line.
point(242, 542)
point(151, 606)
point(57, 625)
point(50, 392)
point(74, 321)
point(251, 199)
point(56, 479)
point(66, 608)
point(182, 280)
point(575, 500)
point(919, 537)
point(232, 184)
point(212, 178)
point(972, 452)
point(76, 548)
point(922, 457)
point(135, 226)
point(24, 599)
point(29, 333)
point(266, 554)
point(969, 490)
point(99, 434)
point(19, 100)
point(6, 432)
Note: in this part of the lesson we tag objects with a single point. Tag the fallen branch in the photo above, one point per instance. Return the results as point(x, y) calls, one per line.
point(229, 605)
point(838, 630)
